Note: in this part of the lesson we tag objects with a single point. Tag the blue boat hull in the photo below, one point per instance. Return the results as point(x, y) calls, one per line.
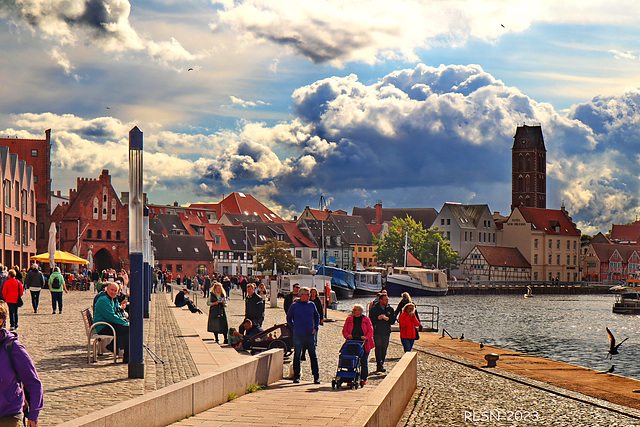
point(396, 289)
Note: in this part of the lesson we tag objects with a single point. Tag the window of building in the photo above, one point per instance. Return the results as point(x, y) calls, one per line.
point(550, 243)
point(494, 237)
point(549, 259)
point(108, 234)
point(448, 235)
point(298, 253)
point(104, 198)
point(558, 259)
point(442, 221)
point(99, 234)
point(104, 211)
point(314, 254)
point(574, 260)
point(550, 276)
point(178, 268)
point(535, 259)
point(448, 221)
point(558, 244)
point(17, 197)
point(32, 231)
point(574, 245)
point(34, 153)
point(535, 275)
point(7, 193)
point(568, 244)
point(117, 235)
point(17, 231)
point(568, 259)
point(33, 204)
point(535, 243)
point(169, 267)
point(89, 233)
point(465, 236)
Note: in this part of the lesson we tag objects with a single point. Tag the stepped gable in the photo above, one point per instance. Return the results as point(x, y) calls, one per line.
point(503, 256)
point(551, 221)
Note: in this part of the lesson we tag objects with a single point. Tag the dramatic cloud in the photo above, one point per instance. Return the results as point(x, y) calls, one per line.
point(371, 30)
point(415, 137)
point(102, 22)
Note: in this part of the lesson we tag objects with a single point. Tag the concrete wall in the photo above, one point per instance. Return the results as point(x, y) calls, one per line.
point(189, 397)
point(391, 397)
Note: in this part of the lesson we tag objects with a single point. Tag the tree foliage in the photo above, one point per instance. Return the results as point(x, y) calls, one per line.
point(423, 244)
point(278, 251)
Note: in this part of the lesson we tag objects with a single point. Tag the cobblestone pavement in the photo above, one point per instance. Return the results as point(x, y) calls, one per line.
point(72, 388)
point(451, 394)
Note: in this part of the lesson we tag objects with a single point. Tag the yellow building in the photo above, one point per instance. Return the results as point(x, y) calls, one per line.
point(549, 241)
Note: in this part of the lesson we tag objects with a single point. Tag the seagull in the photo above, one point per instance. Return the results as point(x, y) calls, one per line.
point(190, 69)
point(481, 346)
point(107, 108)
point(613, 348)
point(462, 336)
point(611, 369)
point(502, 25)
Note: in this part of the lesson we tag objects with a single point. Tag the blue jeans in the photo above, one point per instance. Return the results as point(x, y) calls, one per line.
point(56, 298)
point(301, 343)
point(407, 344)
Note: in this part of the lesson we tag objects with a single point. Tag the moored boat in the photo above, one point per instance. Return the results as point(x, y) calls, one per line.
point(342, 281)
point(627, 300)
point(367, 283)
point(416, 281)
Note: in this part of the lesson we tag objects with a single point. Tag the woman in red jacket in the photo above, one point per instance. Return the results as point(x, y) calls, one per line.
point(359, 327)
point(11, 291)
point(408, 324)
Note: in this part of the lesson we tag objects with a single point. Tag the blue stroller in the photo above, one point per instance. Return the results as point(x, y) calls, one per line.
point(349, 364)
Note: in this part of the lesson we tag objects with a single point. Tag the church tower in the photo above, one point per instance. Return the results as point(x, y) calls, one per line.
point(528, 168)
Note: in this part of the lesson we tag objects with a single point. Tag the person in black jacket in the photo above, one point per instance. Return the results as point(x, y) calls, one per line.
point(182, 300)
point(254, 306)
point(288, 299)
point(382, 316)
point(34, 282)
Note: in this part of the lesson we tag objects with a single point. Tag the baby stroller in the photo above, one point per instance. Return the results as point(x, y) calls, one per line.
point(349, 364)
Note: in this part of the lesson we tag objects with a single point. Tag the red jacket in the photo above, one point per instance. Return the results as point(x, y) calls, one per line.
point(408, 325)
point(12, 290)
point(367, 329)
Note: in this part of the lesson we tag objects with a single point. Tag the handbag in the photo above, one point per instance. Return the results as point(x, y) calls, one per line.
point(20, 302)
point(417, 334)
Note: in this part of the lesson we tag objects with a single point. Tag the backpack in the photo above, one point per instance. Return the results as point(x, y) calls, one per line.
point(55, 284)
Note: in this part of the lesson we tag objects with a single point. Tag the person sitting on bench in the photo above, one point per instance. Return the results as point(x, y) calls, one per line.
point(182, 300)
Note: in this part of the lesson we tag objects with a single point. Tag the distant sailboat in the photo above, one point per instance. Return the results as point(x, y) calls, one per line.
point(529, 293)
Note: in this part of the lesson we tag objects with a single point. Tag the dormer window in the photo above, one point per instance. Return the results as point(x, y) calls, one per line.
point(179, 249)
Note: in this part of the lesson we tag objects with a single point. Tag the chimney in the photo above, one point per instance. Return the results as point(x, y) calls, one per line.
point(295, 218)
point(378, 207)
point(58, 193)
point(175, 204)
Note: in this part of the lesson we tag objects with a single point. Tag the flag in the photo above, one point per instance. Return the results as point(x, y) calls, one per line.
point(412, 261)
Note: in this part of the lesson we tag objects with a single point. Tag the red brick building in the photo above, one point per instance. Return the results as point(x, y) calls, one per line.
point(36, 153)
point(95, 219)
point(18, 214)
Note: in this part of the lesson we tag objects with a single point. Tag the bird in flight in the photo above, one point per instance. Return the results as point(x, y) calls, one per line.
point(613, 347)
point(190, 69)
point(502, 25)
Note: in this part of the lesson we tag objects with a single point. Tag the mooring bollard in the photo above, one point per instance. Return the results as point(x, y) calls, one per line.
point(491, 359)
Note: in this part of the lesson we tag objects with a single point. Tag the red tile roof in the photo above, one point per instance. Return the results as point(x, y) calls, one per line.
point(604, 251)
point(320, 214)
point(502, 256)
point(242, 203)
point(625, 233)
point(217, 230)
point(549, 220)
point(375, 229)
point(295, 235)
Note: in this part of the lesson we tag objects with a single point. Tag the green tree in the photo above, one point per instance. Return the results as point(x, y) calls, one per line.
point(274, 250)
point(423, 244)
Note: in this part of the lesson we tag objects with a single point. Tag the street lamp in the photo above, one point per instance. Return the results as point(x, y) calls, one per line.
point(136, 249)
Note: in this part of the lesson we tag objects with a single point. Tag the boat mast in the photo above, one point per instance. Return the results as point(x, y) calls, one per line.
point(438, 257)
point(406, 247)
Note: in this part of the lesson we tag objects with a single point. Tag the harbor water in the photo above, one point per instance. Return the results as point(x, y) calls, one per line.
point(565, 328)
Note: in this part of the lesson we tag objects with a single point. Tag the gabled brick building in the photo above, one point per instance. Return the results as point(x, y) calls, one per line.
point(95, 220)
point(36, 153)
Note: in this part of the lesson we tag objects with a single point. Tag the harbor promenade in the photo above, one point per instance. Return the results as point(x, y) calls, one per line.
point(453, 387)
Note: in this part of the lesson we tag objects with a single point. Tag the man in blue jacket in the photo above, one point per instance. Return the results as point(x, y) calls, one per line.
point(303, 318)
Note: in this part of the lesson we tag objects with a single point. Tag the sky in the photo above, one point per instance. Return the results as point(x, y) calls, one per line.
point(414, 103)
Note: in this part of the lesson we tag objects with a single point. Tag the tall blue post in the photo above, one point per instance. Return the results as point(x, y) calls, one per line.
point(136, 279)
point(145, 270)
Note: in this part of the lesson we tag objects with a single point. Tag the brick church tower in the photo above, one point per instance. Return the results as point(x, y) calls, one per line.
point(528, 168)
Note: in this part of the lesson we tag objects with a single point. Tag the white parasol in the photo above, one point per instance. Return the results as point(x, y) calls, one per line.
point(90, 259)
point(52, 244)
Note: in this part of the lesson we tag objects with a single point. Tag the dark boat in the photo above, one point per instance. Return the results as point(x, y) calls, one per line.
point(342, 281)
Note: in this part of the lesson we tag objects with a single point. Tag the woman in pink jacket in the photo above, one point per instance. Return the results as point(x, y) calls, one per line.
point(359, 327)
point(408, 324)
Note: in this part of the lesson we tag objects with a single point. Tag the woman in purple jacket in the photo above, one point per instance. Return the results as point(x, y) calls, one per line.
point(16, 365)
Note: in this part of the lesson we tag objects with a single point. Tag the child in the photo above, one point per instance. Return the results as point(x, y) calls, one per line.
point(234, 341)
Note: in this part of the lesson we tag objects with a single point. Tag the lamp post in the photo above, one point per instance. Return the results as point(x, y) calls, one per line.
point(136, 248)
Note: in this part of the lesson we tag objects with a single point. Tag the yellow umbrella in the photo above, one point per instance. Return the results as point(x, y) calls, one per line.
point(61, 257)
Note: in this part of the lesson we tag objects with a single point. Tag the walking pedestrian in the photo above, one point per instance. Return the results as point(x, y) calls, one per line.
point(12, 293)
point(289, 298)
point(226, 285)
point(34, 281)
point(217, 322)
point(359, 327)
point(382, 317)
point(206, 286)
point(314, 298)
point(57, 286)
point(16, 365)
point(304, 320)
point(243, 286)
point(408, 324)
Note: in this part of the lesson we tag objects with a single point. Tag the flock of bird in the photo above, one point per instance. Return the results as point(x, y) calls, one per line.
point(613, 347)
